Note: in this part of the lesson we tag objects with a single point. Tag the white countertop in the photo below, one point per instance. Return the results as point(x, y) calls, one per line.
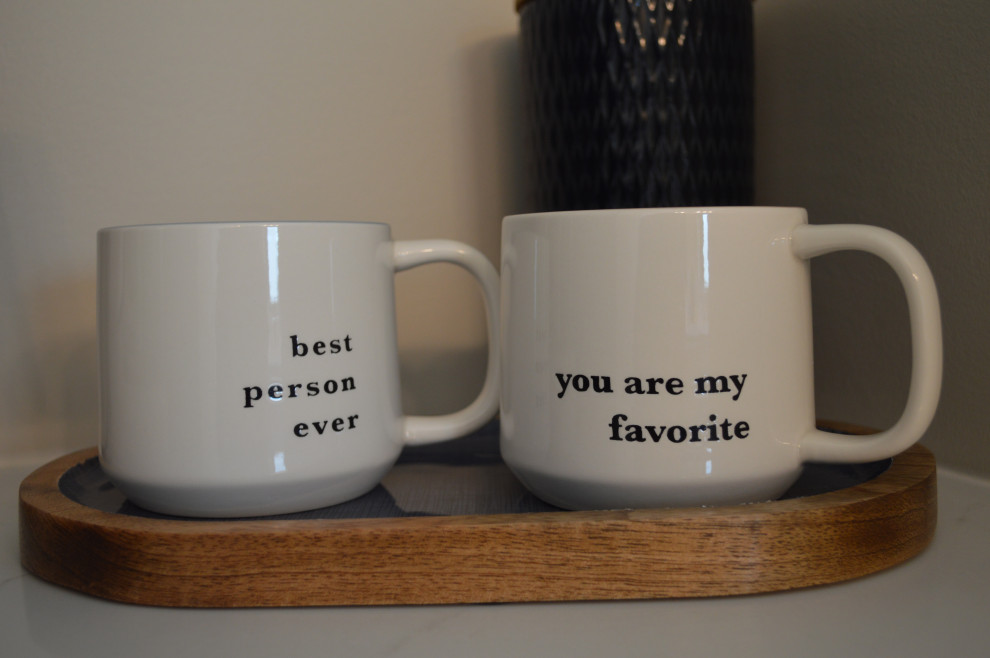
point(934, 604)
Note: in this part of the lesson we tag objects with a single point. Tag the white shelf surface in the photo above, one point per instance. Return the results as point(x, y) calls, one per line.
point(935, 604)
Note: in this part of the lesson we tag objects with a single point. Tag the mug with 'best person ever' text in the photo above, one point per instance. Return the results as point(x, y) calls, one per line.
point(252, 368)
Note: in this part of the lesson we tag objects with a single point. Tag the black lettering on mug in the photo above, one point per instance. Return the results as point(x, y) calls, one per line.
point(322, 426)
point(277, 392)
point(720, 384)
point(251, 394)
point(715, 431)
point(320, 348)
point(653, 386)
point(582, 383)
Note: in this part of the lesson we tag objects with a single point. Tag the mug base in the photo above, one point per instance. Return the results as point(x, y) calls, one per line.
point(582, 494)
point(249, 500)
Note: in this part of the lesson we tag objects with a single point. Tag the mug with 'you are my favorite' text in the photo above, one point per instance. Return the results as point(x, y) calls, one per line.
point(663, 357)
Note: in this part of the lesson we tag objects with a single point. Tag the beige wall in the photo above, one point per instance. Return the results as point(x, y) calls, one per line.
point(141, 111)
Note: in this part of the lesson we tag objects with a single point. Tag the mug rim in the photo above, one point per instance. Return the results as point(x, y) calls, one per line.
point(672, 210)
point(236, 224)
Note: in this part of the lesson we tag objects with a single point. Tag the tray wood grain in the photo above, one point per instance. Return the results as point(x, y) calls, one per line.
point(546, 556)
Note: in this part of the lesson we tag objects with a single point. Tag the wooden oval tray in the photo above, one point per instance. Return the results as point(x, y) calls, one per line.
point(451, 525)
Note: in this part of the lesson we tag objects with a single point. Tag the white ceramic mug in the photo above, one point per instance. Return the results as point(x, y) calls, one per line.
point(252, 368)
point(663, 357)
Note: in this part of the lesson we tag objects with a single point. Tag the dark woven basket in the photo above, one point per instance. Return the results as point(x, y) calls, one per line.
point(633, 103)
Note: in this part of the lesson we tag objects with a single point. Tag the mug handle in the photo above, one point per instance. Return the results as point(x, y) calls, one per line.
point(808, 241)
point(429, 429)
